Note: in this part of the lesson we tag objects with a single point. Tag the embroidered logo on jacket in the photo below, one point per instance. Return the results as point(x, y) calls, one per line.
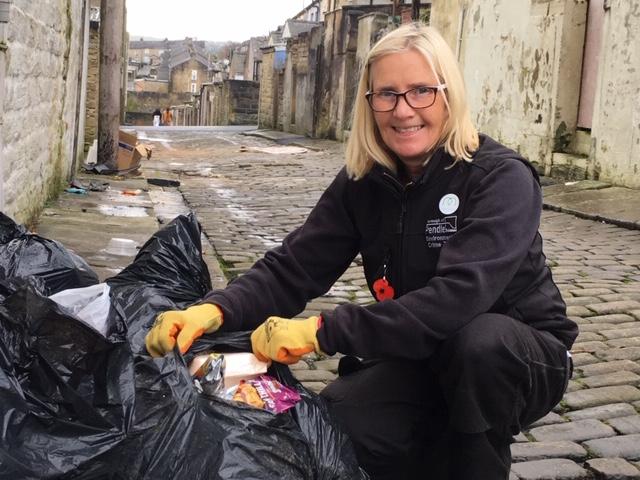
point(439, 230)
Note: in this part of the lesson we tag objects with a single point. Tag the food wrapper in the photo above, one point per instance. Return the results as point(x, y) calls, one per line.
point(246, 393)
point(209, 377)
point(274, 396)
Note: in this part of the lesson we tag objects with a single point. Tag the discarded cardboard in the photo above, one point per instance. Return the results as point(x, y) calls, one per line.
point(129, 155)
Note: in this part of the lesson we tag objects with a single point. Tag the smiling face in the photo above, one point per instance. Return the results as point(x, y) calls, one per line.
point(409, 133)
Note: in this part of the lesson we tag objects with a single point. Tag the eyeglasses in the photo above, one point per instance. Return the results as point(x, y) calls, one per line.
point(419, 97)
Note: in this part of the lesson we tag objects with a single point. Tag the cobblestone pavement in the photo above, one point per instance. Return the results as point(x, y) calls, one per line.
point(249, 192)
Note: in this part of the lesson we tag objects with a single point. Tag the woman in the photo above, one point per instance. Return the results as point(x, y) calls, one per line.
point(468, 341)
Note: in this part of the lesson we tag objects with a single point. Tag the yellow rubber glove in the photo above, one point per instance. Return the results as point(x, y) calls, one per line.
point(285, 340)
point(182, 326)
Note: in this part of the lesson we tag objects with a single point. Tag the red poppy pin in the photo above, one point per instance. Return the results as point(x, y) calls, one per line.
point(383, 289)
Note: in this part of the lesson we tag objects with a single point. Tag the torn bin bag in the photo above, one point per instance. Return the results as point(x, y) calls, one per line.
point(77, 404)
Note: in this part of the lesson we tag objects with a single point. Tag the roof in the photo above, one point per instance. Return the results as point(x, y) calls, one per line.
point(275, 37)
point(184, 53)
point(293, 28)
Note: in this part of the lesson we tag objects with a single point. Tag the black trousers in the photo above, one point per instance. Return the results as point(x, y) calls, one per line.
point(451, 416)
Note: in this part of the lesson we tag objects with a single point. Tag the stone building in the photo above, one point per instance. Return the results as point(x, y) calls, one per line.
point(147, 52)
point(189, 68)
point(557, 80)
point(44, 61)
point(309, 79)
point(246, 60)
point(311, 13)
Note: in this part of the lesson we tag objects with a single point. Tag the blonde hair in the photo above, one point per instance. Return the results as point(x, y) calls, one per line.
point(459, 136)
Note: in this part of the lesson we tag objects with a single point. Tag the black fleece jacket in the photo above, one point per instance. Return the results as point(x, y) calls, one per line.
point(460, 241)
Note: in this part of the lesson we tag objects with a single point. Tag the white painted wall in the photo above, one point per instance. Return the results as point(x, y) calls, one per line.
point(522, 63)
point(616, 126)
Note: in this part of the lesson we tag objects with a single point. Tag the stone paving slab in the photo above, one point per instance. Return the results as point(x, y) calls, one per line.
point(612, 379)
point(626, 425)
point(575, 431)
point(522, 452)
point(602, 412)
point(625, 446)
point(614, 469)
point(551, 469)
point(608, 367)
point(601, 396)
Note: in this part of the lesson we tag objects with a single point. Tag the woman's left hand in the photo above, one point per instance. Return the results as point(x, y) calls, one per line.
point(285, 340)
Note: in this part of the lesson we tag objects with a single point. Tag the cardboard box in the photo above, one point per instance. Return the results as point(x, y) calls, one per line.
point(129, 156)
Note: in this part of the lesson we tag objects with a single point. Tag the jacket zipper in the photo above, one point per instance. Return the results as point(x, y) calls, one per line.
point(404, 190)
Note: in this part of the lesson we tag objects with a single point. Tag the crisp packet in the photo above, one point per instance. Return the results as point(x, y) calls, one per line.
point(248, 394)
point(277, 398)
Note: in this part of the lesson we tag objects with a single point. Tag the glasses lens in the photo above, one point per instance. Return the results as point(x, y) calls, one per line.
point(382, 101)
point(421, 97)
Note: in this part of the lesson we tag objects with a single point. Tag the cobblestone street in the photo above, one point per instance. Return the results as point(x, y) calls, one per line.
point(249, 192)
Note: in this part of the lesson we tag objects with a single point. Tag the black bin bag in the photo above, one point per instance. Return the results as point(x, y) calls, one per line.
point(24, 254)
point(78, 405)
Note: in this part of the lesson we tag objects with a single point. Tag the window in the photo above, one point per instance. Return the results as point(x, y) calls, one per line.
point(194, 87)
point(194, 75)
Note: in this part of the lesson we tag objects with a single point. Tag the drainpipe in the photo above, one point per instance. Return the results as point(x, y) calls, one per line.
point(463, 13)
point(4, 19)
point(81, 100)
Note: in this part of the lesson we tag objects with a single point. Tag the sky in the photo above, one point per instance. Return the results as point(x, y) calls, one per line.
point(216, 20)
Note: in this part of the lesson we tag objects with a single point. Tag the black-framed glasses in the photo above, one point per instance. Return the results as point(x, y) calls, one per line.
point(418, 97)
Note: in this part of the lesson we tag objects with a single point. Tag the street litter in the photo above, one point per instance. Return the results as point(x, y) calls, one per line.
point(276, 150)
point(85, 400)
point(89, 304)
point(122, 211)
point(122, 246)
point(127, 159)
point(132, 192)
point(98, 186)
point(78, 191)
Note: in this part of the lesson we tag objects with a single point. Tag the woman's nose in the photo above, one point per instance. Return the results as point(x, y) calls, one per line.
point(403, 109)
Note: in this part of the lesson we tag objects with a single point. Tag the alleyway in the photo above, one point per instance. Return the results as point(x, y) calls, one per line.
point(248, 192)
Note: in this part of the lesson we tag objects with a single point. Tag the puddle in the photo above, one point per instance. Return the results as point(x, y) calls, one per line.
point(122, 211)
point(279, 150)
point(143, 136)
point(122, 246)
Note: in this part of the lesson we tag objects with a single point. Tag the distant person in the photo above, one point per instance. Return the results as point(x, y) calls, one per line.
point(157, 114)
point(167, 117)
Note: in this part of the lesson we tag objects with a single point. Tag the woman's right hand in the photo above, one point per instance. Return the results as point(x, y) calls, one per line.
point(183, 327)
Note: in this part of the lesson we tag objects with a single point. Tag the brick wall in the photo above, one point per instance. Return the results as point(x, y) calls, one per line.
point(43, 63)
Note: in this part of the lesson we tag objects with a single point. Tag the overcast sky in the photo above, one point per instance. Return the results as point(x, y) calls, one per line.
point(217, 20)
